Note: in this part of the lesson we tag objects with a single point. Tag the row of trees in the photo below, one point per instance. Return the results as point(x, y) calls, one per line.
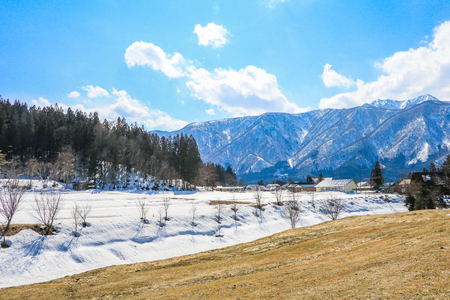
point(49, 142)
point(47, 205)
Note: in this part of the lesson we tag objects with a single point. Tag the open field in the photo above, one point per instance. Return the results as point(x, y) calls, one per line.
point(117, 236)
point(395, 256)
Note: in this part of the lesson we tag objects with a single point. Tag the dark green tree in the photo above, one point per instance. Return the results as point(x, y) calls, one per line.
point(376, 176)
point(320, 177)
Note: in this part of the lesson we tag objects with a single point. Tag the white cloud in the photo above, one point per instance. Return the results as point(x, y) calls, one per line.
point(210, 111)
point(73, 94)
point(42, 102)
point(125, 106)
point(93, 92)
point(249, 91)
point(212, 34)
point(332, 78)
point(178, 90)
point(408, 74)
point(147, 54)
point(134, 111)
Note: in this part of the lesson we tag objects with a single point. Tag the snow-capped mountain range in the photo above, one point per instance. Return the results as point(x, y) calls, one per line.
point(403, 135)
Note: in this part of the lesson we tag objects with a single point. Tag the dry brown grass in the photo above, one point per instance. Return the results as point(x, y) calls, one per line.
point(401, 256)
point(15, 229)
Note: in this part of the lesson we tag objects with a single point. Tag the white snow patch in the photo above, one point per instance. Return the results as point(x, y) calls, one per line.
point(422, 155)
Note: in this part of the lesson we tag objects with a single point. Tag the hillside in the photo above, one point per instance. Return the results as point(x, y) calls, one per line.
point(403, 135)
point(394, 256)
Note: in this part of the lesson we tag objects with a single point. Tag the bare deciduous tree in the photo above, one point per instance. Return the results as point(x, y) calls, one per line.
point(143, 209)
point(75, 215)
point(10, 198)
point(291, 212)
point(193, 211)
point(84, 211)
point(279, 196)
point(257, 196)
point(43, 170)
point(65, 164)
point(166, 204)
point(161, 218)
point(332, 208)
point(32, 167)
point(295, 201)
point(47, 205)
point(312, 200)
point(219, 208)
point(235, 208)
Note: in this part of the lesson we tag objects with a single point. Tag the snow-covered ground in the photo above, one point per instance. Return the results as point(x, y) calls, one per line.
point(116, 235)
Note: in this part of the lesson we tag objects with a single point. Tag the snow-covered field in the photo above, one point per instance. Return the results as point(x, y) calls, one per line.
point(116, 235)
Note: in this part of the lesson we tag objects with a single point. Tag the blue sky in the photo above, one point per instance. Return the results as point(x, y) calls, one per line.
point(164, 64)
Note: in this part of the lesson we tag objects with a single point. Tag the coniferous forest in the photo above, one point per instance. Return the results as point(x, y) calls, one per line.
point(39, 141)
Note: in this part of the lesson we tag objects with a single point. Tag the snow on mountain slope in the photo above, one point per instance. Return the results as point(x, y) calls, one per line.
point(416, 134)
point(251, 143)
point(398, 104)
point(415, 131)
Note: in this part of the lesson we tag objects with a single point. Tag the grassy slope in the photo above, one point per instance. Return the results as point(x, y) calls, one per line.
point(382, 256)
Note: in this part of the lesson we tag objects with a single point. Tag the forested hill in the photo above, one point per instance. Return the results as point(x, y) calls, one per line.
point(35, 136)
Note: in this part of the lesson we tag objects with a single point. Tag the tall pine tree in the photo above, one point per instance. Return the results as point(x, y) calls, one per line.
point(376, 176)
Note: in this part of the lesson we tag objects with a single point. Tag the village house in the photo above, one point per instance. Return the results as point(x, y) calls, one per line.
point(230, 188)
point(272, 186)
point(342, 185)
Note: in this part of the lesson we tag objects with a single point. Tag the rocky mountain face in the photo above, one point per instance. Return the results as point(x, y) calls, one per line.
point(402, 135)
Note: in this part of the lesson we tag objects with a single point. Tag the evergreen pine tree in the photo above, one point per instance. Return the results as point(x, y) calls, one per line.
point(320, 177)
point(376, 176)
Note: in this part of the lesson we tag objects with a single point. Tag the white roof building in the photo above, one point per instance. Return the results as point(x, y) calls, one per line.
point(343, 185)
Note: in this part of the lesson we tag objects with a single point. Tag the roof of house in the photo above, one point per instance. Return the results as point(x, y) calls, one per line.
point(284, 186)
point(270, 185)
point(334, 183)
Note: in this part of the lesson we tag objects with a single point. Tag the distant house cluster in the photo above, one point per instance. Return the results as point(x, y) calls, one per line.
point(327, 184)
point(435, 179)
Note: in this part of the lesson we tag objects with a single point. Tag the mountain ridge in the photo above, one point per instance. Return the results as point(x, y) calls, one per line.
point(338, 142)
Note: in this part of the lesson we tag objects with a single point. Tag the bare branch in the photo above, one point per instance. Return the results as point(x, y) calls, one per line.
point(11, 197)
point(235, 208)
point(219, 208)
point(166, 204)
point(193, 211)
point(47, 205)
point(332, 208)
point(279, 196)
point(75, 215)
point(291, 211)
point(143, 209)
point(161, 219)
point(257, 195)
point(84, 211)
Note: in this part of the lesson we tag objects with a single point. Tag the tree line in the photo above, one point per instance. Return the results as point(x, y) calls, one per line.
point(56, 144)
